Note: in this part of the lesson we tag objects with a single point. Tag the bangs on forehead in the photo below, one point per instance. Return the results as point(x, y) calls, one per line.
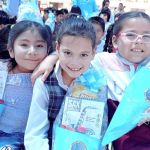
point(119, 24)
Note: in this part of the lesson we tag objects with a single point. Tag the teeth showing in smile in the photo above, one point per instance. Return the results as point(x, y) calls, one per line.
point(74, 69)
point(137, 50)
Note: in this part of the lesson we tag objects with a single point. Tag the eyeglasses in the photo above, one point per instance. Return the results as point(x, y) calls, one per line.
point(133, 37)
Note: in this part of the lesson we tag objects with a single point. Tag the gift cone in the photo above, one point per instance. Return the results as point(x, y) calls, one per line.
point(135, 101)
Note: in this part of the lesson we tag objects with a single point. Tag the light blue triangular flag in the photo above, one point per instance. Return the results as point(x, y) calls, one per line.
point(135, 101)
point(29, 10)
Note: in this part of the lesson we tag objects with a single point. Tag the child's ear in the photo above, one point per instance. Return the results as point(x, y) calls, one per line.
point(57, 46)
point(94, 51)
point(114, 41)
point(48, 50)
point(103, 35)
point(11, 52)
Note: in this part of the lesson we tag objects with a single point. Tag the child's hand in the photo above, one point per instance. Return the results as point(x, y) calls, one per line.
point(45, 67)
point(146, 118)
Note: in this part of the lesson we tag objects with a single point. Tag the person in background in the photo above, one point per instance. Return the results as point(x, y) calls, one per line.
point(50, 18)
point(105, 14)
point(45, 15)
point(108, 46)
point(105, 4)
point(120, 8)
point(59, 16)
point(58, 19)
point(65, 12)
point(75, 9)
point(99, 26)
point(88, 8)
point(5, 26)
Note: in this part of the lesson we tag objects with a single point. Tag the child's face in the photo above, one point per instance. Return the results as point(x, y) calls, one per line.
point(59, 18)
point(45, 16)
point(75, 55)
point(106, 4)
point(29, 50)
point(2, 26)
point(137, 50)
point(99, 32)
point(104, 17)
point(120, 7)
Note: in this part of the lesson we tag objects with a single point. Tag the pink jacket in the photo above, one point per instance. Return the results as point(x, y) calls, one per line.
point(119, 73)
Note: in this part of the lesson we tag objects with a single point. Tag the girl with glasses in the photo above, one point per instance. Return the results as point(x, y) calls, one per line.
point(131, 38)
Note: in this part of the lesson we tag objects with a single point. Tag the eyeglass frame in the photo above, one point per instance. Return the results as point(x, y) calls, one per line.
point(133, 33)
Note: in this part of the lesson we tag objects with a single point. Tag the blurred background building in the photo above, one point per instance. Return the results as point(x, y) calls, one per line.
point(143, 5)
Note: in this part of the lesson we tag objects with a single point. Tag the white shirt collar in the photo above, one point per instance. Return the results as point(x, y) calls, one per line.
point(59, 77)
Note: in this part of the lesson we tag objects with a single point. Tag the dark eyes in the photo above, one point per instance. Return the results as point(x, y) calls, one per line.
point(24, 45)
point(84, 55)
point(67, 52)
point(40, 46)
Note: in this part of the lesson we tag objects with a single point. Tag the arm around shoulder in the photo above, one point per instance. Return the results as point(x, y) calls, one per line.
point(45, 67)
point(36, 134)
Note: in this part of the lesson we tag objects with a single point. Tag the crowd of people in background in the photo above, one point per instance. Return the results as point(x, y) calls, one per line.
point(61, 45)
point(52, 17)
